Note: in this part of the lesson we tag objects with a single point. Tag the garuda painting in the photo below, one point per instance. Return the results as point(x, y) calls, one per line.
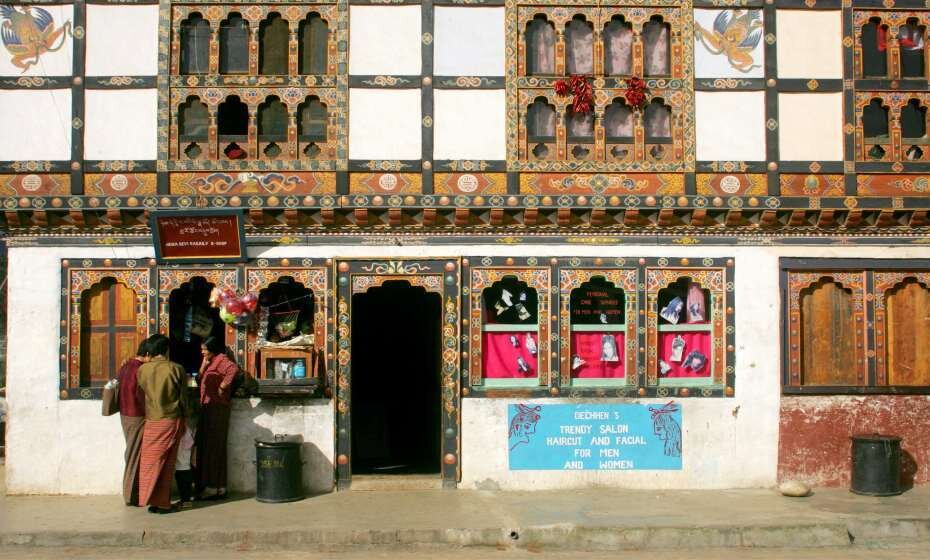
point(735, 34)
point(29, 32)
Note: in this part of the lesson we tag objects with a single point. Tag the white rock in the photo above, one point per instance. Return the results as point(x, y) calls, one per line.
point(794, 489)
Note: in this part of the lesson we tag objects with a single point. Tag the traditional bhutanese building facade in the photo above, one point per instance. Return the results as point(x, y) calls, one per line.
point(473, 213)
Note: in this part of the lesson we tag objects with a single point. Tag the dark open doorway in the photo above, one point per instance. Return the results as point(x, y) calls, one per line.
point(396, 399)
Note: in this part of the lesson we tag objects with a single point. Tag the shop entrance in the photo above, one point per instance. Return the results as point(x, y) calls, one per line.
point(191, 320)
point(395, 394)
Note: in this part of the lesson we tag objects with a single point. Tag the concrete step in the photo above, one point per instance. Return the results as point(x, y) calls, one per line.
point(885, 533)
point(395, 482)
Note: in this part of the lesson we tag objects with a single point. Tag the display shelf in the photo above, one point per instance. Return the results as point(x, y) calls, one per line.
point(599, 328)
point(687, 327)
point(275, 376)
point(510, 327)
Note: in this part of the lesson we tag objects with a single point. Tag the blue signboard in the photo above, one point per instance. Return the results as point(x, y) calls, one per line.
point(607, 437)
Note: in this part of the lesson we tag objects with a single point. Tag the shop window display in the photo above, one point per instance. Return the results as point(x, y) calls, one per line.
point(685, 337)
point(597, 311)
point(284, 330)
point(511, 331)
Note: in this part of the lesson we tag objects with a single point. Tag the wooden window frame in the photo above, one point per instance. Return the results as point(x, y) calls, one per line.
point(316, 278)
point(555, 319)
point(153, 285)
point(77, 277)
point(676, 90)
point(798, 273)
point(536, 277)
point(627, 280)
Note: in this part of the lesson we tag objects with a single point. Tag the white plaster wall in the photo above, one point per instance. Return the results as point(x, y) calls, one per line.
point(385, 40)
point(313, 421)
point(710, 65)
point(385, 124)
point(730, 126)
point(469, 124)
point(809, 43)
point(37, 124)
point(121, 124)
point(469, 41)
point(122, 40)
point(59, 446)
point(810, 126)
point(55, 63)
point(65, 446)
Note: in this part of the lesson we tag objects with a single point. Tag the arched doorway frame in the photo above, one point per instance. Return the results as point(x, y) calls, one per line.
point(440, 276)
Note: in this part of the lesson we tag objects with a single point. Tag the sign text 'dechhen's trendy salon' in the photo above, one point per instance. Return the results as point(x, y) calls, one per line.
point(595, 437)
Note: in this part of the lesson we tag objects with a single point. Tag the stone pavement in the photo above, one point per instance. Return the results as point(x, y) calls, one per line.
point(593, 519)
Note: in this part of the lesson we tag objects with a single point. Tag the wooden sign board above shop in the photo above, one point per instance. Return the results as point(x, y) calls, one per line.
point(211, 236)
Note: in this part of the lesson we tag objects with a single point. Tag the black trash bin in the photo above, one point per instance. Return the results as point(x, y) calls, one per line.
point(876, 465)
point(278, 471)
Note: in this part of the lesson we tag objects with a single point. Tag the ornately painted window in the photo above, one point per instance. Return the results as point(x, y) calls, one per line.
point(608, 47)
point(891, 54)
point(856, 327)
point(253, 83)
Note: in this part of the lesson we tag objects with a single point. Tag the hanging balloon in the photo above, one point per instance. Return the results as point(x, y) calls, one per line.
point(250, 301)
point(226, 316)
point(235, 307)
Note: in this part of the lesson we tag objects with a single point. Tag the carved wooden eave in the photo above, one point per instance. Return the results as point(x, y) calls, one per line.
point(425, 213)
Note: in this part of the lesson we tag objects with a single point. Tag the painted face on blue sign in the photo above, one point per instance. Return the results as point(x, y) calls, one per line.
point(523, 424)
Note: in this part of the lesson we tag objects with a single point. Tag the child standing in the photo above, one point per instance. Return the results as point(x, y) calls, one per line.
point(183, 472)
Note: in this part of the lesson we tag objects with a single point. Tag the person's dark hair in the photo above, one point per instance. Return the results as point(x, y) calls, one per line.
point(214, 345)
point(158, 345)
point(144, 348)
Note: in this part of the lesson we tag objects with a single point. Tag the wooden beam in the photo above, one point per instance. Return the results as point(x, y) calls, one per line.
point(853, 219)
point(395, 217)
point(429, 216)
point(530, 216)
point(462, 217)
point(361, 217)
point(769, 218)
point(631, 217)
point(257, 217)
point(291, 217)
point(826, 219)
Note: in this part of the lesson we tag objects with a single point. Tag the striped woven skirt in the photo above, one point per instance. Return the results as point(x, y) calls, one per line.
point(156, 465)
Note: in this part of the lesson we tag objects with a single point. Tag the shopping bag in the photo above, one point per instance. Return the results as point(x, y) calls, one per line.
point(110, 400)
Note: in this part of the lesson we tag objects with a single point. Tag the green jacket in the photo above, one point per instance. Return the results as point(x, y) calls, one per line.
point(165, 386)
